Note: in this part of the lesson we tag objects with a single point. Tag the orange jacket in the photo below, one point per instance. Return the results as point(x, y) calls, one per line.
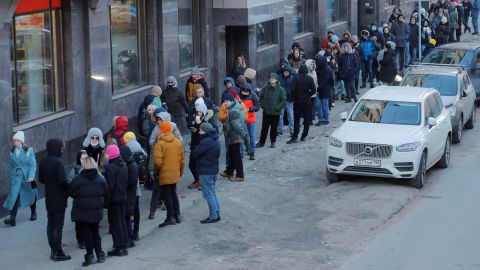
point(223, 113)
point(168, 157)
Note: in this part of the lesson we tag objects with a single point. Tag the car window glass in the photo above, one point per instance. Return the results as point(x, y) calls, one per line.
point(387, 112)
point(446, 85)
point(439, 101)
point(435, 57)
point(438, 104)
point(450, 56)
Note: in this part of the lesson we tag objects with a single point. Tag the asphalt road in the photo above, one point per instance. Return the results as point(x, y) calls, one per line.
point(441, 229)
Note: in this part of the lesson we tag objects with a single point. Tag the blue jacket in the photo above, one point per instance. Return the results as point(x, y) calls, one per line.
point(21, 168)
point(287, 82)
point(367, 48)
point(476, 6)
point(207, 154)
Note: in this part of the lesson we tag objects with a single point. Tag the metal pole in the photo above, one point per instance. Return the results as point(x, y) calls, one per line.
point(419, 30)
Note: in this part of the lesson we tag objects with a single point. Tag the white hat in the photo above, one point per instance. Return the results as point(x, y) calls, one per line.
point(19, 135)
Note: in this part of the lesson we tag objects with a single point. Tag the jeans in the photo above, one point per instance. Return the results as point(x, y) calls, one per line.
point(210, 195)
point(289, 108)
point(413, 55)
point(475, 21)
point(367, 71)
point(171, 200)
point(269, 121)
point(92, 237)
point(302, 108)
point(252, 134)
point(235, 160)
point(55, 228)
point(401, 58)
point(322, 109)
point(341, 85)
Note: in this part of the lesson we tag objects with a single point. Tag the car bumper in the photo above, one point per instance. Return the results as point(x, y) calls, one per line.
point(399, 165)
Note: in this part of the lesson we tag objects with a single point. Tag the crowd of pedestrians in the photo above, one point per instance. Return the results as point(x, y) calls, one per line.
point(110, 168)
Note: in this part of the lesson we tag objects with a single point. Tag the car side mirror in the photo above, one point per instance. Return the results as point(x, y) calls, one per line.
point(431, 122)
point(344, 116)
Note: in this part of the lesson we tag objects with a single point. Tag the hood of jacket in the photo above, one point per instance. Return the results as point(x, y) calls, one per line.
point(94, 132)
point(283, 62)
point(303, 69)
point(211, 134)
point(134, 146)
point(173, 79)
point(121, 124)
point(288, 68)
point(229, 79)
point(167, 137)
point(321, 62)
point(54, 147)
point(90, 174)
point(148, 99)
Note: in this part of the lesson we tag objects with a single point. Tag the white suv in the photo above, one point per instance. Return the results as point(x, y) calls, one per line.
point(393, 133)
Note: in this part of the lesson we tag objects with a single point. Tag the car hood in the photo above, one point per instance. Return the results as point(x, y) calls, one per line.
point(362, 132)
point(448, 100)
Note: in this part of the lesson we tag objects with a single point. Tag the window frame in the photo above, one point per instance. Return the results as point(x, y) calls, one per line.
point(274, 34)
point(56, 23)
point(341, 16)
point(307, 16)
point(141, 49)
point(198, 58)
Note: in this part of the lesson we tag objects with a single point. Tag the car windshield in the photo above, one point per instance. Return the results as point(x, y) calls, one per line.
point(387, 112)
point(449, 57)
point(446, 85)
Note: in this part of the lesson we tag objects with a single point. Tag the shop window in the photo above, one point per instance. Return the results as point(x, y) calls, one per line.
point(37, 60)
point(302, 19)
point(336, 10)
point(128, 44)
point(189, 33)
point(266, 33)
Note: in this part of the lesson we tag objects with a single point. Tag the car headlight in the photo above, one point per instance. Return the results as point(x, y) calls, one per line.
point(335, 142)
point(408, 147)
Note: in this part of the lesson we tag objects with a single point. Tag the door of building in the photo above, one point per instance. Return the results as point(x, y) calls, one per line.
point(367, 13)
point(236, 38)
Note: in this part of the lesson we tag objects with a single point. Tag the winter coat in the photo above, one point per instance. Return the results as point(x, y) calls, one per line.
point(207, 154)
point(132, 169)
point(329, 42)
point(413, 39)
point(442, 32)
point(121, 127)
point(272, 99)
point(176, 103)
point(230, 90)
point(117, 181)
point(51, 173)
point(427, 34)
point(380, 37)
point(21, 168)
point(452, 18)
point(191, 86)
point(388, 70)
point(143, 108)
point(402, 32)
point(238, 71)
point(326, 78)
point(235, 126)
point(296, 63)
point(169, 159)
point(467, 8)
point(348, 66)
point(90, 196)
point(303, 87)
point(94, 152)
point(367, 47)
point(287, 82)
point(252, 105)
point(389, 37)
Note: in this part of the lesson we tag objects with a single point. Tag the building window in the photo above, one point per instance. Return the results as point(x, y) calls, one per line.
point(37, 60)
point(266, 33)
point(189, 32)
point(128, 44)
point(390, 2)
point(302, 19)
point(336, 10)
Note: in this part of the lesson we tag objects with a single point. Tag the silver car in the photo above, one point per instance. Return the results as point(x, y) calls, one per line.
point(455, 88)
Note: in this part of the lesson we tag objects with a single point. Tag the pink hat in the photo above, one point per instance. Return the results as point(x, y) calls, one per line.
point(112, 151)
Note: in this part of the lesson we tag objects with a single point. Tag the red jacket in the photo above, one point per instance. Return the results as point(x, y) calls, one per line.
point(252, 104)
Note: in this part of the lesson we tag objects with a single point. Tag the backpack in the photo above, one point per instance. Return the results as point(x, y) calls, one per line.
point(142, 163)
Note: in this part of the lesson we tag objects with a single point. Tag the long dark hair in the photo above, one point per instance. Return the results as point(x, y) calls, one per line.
point(24, 147)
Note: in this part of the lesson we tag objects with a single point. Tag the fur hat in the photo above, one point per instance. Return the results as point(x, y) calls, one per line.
point(250, 73)
point(128, 136)
point(94, 132)
point(166, 127)
point(112, 151)
point(202, 108)
point(195, 70)
point(19, 135)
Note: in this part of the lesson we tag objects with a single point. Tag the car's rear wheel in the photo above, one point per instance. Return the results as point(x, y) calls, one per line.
point(458, 131)
point(419, 180)
point(331, 177)
point(471, 122)
point(445, 160)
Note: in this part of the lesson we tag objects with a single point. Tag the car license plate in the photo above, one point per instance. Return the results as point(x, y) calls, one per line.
point(368, 162)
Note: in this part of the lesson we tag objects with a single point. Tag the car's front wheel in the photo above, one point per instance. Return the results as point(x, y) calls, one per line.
point(419, 180)
point(458, 131)
point(445, 160)
point(331, 177)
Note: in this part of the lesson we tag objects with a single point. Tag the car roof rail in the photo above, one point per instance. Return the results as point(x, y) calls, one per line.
point(461, 67)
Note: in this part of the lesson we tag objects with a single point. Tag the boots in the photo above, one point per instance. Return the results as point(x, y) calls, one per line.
point(88, 260)
point(33, 214)
point(11, 220)
point(100, 257)
point(60, 256)
point(168, 221)
point(178, 218)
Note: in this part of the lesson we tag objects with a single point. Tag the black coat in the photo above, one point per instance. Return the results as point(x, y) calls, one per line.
point(117, 181)
point(207, 154)
point(325, 77)
point(176, 102)
point(90, 196)
point(413, 39)
point(52, 174)
point(132, 169)
point(348, 66)
point(94, 152)
point(303, 87)
point(388, 69)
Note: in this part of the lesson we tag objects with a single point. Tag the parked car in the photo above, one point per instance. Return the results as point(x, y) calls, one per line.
point(456, 90)
point(466, 54)
point(392, 132)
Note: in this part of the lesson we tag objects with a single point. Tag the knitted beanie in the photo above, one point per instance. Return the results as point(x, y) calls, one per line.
point(112, 151)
